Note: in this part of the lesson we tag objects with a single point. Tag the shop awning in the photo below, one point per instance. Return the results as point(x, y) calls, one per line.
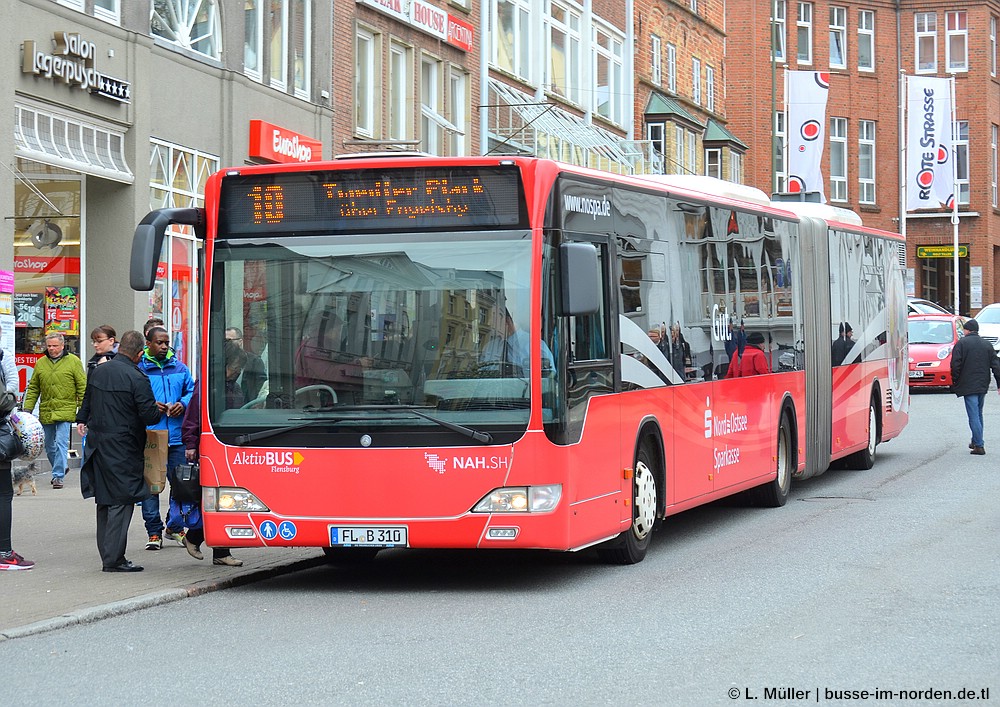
point(540, 124)
point(70, 142)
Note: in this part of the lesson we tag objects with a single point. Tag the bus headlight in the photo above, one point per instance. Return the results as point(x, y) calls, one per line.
point(231, 499)
point(520, 499)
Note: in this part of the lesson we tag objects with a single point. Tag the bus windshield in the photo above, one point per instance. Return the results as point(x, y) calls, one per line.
point(356, 335)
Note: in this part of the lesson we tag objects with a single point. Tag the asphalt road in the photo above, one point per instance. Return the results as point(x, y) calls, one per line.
point(881, 580)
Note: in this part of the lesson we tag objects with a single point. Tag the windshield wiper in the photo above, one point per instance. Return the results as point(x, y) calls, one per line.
point(477, 435)
point(264, 434)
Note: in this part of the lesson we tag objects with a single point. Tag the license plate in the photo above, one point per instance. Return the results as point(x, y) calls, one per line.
point(368, 536)
point(916, 374)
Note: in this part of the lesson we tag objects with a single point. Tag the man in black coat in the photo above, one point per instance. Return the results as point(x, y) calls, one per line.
point(972, 361)
point(117, 407)
point(842, 345)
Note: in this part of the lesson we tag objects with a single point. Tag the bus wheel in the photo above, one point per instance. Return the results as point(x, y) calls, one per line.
point(630, 547)
point(350, 555)
point(865, 459)
point(775, 493)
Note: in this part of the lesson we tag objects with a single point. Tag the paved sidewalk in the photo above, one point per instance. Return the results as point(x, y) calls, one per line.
point(57, 530)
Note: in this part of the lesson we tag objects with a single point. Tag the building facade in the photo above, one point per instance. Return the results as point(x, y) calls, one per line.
point(866, 47)
point(120, 107)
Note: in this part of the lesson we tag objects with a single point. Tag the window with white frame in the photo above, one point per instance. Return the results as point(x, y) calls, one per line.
point(108, 10)
point(458, 111)
point(736, 167)
point(365, 73)
point(564, 47)
point(655, 60)
point(400, 81)
point(278, 38)
point(656, 135)
point(778, 30)
point(780, 173)
point(609, 70)
point(993, 45)
point(804, 33)
point(434, 126)
point(838, 37)
point(253, 38)
point(691, 166)
point(993, 165)
point(696, 80)
point(713, 162)
point(838, 159)
point(694, 6)
point(866, 40)
point(710, 88)
point(301, 34)
point(194, 26)
point(962, 161)
point(956, 41)
point(866, 161)
point(672, 68)
point(925, 28)
point(678, 150)
point(512, 39)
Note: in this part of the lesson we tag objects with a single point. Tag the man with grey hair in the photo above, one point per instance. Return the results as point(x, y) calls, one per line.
point(57, 385)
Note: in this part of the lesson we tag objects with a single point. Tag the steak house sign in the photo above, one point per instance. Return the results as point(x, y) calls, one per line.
point(72, 61)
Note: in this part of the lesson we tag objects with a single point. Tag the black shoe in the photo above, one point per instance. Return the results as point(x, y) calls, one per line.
point(126, 566)
point(972, 445)
point(978, 451)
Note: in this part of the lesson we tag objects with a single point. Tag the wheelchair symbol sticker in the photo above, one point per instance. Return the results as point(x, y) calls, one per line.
point(268, 530)
point(286, 529)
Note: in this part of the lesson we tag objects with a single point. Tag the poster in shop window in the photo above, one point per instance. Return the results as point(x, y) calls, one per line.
point(62, 311)
point(29, 310)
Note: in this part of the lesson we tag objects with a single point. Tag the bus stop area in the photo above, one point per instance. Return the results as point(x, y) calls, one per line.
point(57, 530)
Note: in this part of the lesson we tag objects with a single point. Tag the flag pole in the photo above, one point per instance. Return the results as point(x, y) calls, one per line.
point(954, 192)
point(902, 153)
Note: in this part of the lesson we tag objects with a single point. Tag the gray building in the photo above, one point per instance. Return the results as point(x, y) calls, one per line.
point(119, 107)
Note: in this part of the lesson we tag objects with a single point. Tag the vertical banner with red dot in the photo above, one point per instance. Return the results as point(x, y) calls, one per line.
point(930, 181)
point(806, 93)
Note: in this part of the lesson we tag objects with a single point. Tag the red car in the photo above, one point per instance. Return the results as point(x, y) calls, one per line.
point(932, 337)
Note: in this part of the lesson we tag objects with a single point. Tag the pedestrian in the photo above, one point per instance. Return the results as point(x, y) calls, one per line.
point(116, 408)
point(254, 373)
point(680, 351)
point(752, 361)
point(57, 384)
point(172, 387)
point(150, 323)
point(191, 433)
point(972, 361)
point(842, 345)
point(9, 560)
point(105, 341)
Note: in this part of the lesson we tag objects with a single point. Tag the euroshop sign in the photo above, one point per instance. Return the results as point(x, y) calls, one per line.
point(428, 18)
point(276, 144)
point(72, 62)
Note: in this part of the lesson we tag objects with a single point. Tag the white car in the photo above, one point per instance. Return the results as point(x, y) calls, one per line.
point(914, 305)
point(989, 324)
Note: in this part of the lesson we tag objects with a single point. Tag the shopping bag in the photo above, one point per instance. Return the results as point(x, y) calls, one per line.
point(155, 459)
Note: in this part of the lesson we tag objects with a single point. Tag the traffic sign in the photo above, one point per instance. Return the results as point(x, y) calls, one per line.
point(941, 251)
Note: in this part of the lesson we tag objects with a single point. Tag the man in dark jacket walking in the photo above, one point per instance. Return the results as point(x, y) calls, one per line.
point(972, 360)
point(117, 406)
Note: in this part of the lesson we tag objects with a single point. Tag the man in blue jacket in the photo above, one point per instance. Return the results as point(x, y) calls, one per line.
point(173, 387)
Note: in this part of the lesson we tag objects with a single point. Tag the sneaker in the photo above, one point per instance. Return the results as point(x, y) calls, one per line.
point(155, 542)
point(176, 535)
point(57, 483)
point(15, 562)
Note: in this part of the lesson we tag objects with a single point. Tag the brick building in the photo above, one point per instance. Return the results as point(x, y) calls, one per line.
point(865, 47)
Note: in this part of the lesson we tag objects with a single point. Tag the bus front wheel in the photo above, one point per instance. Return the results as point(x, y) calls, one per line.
point(865, 459)
point(630, 547)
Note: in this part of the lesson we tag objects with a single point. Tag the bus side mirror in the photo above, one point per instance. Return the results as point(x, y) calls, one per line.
point(146, 245)
point(580, 278)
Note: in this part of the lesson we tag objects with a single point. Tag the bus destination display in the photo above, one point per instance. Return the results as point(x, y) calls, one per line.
point(369, 200)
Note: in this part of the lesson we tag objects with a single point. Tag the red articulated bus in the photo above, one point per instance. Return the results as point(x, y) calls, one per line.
point(517, 353)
